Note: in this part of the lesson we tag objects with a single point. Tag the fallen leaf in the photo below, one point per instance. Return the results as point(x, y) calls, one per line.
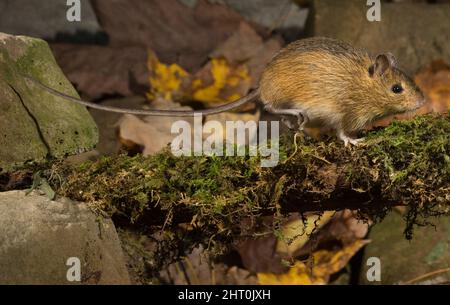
point(297, 232)
point(330, 262)
point(268, 251)
point(165, 80)
point(346, 228)
point(97, 71)
point(343, 229)
point(297, 275)
point(177, 33)
point(153, 132)
point(242, 45)
point(235, 67)
point(197, 269)
point(221, 135)
point(258, 254)
point(219, 82)
point(435, 83)
point(324, 264)
point(246, 46)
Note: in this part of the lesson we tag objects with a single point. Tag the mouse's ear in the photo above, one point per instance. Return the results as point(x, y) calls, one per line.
point(383, 62)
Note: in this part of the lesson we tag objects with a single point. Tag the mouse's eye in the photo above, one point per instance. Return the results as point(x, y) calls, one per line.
point(397, 88)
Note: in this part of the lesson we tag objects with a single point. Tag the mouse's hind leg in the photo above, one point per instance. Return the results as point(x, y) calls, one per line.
point(302, 118)
point(287, 122)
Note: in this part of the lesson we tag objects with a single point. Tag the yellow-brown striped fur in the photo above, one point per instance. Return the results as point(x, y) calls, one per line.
point(337, 86)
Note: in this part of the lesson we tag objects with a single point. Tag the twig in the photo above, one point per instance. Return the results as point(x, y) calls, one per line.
point(295, 147)
point(321, 159)
point(428, 275)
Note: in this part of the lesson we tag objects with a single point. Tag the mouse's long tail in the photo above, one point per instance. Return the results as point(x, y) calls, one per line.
point(179, 113)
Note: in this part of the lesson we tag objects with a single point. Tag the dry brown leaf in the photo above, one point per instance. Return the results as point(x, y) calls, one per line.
point(153, 132)
point(97, 71)
point(246, 46)
point(197, 269)
point(258, 254)
point(134, 131)
point(346, 228)
point(435, 83)
point(176, 33)
point(242, 45)
point(222, 118)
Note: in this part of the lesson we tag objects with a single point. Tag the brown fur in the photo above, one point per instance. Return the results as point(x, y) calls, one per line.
point(332, 83)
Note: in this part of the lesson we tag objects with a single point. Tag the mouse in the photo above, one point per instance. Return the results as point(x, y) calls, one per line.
point(322, 82)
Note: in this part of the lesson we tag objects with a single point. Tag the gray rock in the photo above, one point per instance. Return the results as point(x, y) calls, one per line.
point(416, 33)
point(403, 260)
point(35, 124)
point(45, 19)
point(38, 236)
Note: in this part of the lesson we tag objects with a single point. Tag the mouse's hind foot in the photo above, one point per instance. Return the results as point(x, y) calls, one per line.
point(287, 122)
point(348, 140)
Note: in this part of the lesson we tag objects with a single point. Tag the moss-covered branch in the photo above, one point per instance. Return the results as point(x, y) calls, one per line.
point(406, 163)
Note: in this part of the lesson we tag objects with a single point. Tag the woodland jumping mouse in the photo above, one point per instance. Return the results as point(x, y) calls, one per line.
point(335, 86)
point(324, 82)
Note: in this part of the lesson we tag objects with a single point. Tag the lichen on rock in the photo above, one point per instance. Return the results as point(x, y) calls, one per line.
point(34, 124)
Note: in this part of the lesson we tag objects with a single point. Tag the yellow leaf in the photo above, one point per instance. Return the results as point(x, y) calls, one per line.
point(218, 82)
point(329, 262)
point(165, 80)
point(224, 77)
point(325, 263)
point(297, 275)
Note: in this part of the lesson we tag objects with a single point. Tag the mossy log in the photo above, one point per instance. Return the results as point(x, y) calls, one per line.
point(406, 163)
